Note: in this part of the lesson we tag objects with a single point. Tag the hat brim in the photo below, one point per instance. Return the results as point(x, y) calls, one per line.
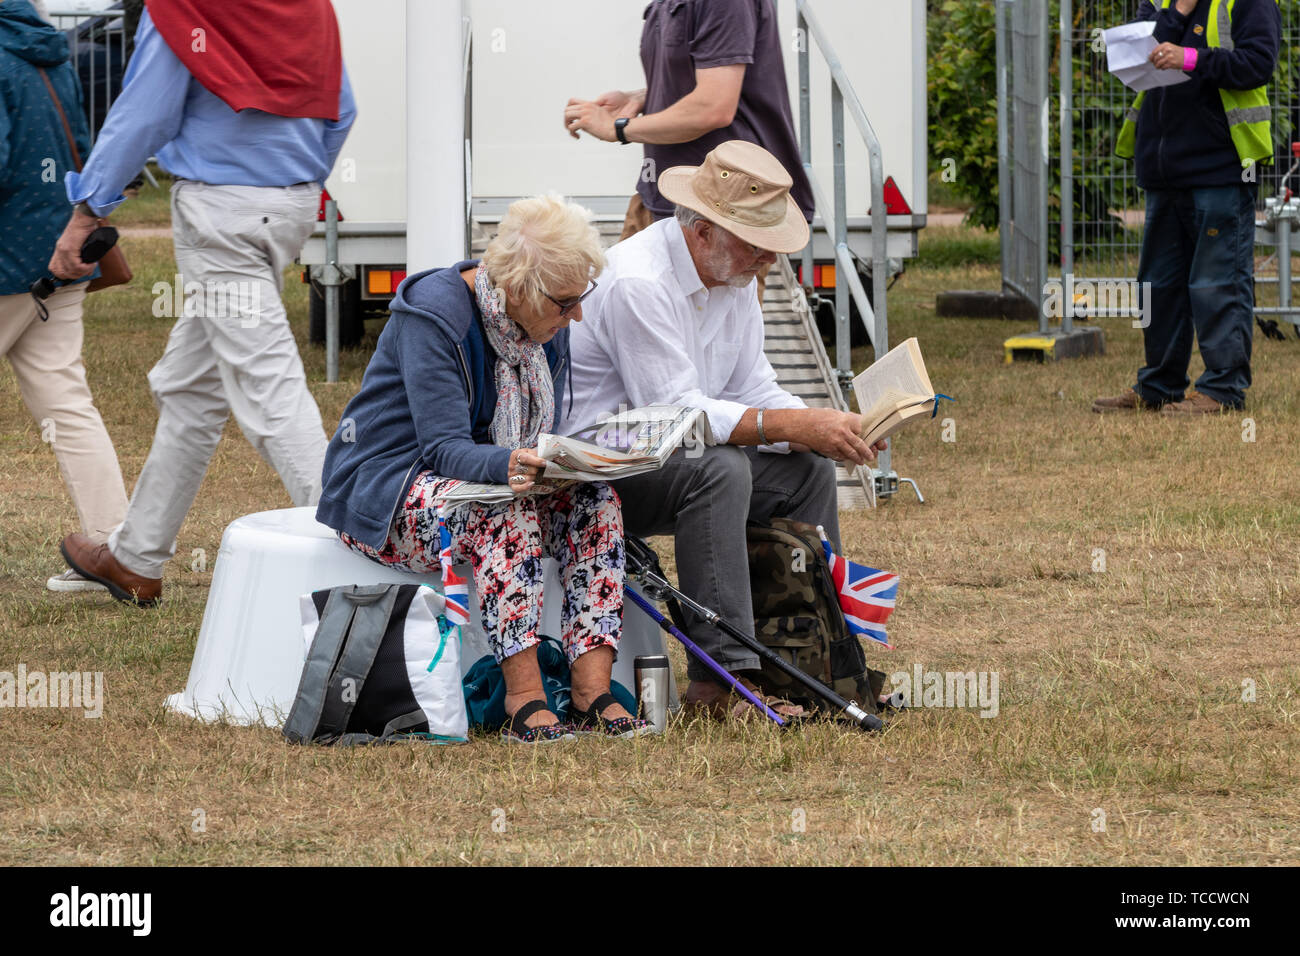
point(788, 236)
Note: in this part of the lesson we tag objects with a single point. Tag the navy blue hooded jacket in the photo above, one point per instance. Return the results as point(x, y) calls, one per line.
point(1182, 132)
point(34, 152)
point(426, 404)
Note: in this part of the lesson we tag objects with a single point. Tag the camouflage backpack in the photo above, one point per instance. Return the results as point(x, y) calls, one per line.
point(797, 614)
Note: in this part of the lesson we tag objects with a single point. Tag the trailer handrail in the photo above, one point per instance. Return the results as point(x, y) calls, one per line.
point(847, 283)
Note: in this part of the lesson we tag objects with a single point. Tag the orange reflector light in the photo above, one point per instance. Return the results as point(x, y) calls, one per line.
point(379, 282)
point(823, 276)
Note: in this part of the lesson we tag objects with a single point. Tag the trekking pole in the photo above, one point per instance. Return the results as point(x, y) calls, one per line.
point(694, 648)
point(648, 565)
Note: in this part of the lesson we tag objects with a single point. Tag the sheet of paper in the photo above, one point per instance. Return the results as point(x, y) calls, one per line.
point(1127, 49)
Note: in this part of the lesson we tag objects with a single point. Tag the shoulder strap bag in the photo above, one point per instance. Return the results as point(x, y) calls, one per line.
point(113, 268)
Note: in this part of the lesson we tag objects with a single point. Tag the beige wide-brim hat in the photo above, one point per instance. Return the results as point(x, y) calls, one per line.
point(745, 190)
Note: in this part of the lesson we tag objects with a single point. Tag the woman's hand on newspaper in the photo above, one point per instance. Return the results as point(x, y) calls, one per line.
point(525, 469)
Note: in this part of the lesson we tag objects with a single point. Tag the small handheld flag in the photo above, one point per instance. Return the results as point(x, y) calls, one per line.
point(867, 596)
point(455, 589)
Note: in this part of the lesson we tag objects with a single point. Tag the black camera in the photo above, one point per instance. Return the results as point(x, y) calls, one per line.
point(93, 249)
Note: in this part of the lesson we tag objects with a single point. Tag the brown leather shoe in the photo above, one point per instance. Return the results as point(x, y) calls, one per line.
point(96, 562)
point(1194, 404)
point(1130, 401)
point(706, 698)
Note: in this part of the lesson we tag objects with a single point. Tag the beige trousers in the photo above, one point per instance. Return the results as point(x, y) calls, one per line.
point(230, 351)
point(46, 359)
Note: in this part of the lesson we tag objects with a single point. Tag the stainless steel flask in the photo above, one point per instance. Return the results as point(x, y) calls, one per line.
point(651, 674)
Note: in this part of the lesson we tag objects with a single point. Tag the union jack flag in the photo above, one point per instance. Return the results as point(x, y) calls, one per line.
point(455, 589)
point(866, 595)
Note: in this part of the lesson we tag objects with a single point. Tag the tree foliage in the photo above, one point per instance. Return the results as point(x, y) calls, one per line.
point(963, 102)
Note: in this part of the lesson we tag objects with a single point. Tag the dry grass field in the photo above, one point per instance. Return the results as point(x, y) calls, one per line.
point(1126, 731)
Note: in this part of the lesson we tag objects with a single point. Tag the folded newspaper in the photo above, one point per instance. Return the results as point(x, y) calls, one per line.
point(620, 445)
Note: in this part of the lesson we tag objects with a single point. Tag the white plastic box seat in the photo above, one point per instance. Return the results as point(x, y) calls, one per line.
point(250, 650)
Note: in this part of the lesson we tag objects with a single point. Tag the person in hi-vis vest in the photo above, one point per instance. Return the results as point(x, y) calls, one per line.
point(1197, 145)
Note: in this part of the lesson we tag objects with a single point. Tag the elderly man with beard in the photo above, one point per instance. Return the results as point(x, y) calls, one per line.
point(675, 321)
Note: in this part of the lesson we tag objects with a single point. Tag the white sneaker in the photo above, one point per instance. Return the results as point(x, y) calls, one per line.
point(71, 581)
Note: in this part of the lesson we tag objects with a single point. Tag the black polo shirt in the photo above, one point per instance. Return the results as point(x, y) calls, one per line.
point(682, 36)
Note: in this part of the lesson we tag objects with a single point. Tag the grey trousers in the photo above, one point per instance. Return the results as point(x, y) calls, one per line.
point(705, 502)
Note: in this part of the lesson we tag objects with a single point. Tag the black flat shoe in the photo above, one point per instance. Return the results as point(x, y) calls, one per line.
point(517, 732)
point(589, 721)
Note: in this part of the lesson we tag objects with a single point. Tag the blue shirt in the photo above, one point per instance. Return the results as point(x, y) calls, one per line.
point(164, 111)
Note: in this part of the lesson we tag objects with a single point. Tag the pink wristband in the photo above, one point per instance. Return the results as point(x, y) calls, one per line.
point(1189, 59)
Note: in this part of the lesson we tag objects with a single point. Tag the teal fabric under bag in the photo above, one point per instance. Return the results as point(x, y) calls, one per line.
point(485, 687)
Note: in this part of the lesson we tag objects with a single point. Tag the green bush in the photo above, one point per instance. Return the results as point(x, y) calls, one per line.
point(940, 250)
point(963, 102)
point(963, 109)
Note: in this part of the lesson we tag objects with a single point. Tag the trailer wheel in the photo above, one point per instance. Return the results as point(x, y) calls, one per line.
point(352, 320)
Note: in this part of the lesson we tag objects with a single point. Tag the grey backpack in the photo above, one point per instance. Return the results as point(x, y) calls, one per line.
point(383, 665)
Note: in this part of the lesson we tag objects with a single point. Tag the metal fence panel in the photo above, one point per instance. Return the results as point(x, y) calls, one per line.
point(1108, 208)
point(97, 45)
point(1023, 114)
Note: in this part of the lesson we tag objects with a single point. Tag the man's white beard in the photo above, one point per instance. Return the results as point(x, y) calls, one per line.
point(719, 262)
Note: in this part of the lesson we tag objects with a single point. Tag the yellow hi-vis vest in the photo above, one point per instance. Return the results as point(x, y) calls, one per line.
point(1247, 111)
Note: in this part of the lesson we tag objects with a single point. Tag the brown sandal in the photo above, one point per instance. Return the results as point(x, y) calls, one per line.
point(710, 699)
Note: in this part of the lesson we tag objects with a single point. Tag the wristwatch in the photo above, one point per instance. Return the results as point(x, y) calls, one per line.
point(85, 210)
point(620, 127)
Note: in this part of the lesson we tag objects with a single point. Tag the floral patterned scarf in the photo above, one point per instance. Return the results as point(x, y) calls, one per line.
point(525, 392)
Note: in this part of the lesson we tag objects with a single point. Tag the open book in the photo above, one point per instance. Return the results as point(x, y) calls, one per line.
point(618, 446)
point(893, 392)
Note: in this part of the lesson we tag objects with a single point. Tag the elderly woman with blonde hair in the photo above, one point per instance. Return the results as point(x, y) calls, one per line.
point(468, 371)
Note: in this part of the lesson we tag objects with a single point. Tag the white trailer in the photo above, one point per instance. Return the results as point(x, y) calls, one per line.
point(523, 59)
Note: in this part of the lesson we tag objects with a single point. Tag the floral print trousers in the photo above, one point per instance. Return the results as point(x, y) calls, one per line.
point(579, 525)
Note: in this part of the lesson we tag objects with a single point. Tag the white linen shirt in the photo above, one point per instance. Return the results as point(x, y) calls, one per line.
point(651, 333)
